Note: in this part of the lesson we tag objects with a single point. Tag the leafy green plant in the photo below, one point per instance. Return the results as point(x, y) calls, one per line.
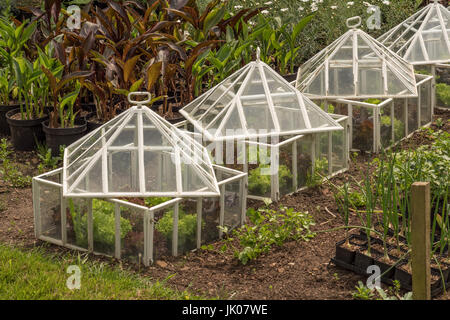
point(288, 51)
point(154, 201)
point(103, 223)
point(399, 126)
point(269, 228)
point(362, 292)
point(443, 93)
point(47, 161)
point(426, 163)
point(330, 108)
point(373, 101)
point(187, 227)
point(424, 72)
point(13, 39)
point(9, 171)
point(63, 114)
point(259, 183)
point(316, 177)
point(355, 198)
point(392, 293)
point(6, 86)
point(32, 102)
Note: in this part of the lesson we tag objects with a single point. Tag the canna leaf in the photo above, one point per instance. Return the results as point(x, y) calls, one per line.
point(136, 85)
point(301, 25)
point(129, 67)
point(213, 18)
point(153, 73)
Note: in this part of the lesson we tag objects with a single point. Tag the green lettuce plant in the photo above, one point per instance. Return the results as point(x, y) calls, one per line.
point(187, 227)
point(260, 183)
point(443, 93)
point(104, 223)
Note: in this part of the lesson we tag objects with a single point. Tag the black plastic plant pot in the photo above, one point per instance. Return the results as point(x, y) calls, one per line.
point(346, 254)
point(387, 270)
point(92, 124)
point(57, 137)
point(438, 283)
point(25, 133)
point(4, 126)
point(343, 253)
point(403, 276)
point(362, 261)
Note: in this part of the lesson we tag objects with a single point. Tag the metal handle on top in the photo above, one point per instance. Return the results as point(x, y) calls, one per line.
point(358, 21)
point(137, 94)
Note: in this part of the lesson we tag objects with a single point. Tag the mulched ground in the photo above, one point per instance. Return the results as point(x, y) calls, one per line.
point(298, 270)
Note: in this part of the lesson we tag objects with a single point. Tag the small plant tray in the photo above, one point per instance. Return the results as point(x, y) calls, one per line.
point(436, 287)
point(402, 276)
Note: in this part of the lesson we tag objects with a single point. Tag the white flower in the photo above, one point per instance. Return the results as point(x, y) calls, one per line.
point(386, 2)
point(284, 9)
point(238, 7)
point(333, 7)
point(264, 12)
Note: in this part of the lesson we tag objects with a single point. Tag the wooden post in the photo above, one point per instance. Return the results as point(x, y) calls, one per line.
point(420, 240)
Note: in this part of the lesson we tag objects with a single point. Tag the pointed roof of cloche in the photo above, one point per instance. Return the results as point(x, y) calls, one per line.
point(423, 38)
point(356, 66)
point(138, 154)
point(254, 102)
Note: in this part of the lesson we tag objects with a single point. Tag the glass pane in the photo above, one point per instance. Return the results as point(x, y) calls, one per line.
point(162, 236)
point(341, 81)
point(50, 211)
point(425, 103)
point(103, 214)
point(386, 126)
point(77, 222)
point(187, 226)
point(338, 150)
point(399, 119)
point(362, 128)
point(443, 87)
point(412, 115)
point(132, 234)
point(233, 204)
point(285, 175)
point(210, 219)
point(304, 160)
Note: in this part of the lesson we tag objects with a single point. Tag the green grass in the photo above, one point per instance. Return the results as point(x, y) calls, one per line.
point(34, 274)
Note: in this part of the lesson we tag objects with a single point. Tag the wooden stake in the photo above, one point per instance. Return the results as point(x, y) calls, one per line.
point(420, 240)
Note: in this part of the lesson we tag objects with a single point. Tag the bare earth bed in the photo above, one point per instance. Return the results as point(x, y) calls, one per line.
point(298, 270)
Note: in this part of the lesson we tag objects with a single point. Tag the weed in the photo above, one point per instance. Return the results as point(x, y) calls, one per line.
point(48, 162)
point(9, 171)
point(362, 292)
point(316, 177)
point(392, 293)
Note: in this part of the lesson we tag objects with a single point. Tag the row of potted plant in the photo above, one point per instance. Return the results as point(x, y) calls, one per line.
point(66, 77)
